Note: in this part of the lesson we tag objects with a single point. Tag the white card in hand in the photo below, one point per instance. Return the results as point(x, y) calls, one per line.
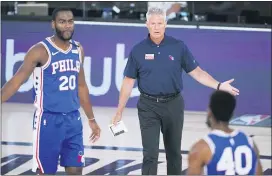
point(118, 129)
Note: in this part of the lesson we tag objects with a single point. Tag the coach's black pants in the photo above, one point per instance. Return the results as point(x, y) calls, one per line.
point(166, 116)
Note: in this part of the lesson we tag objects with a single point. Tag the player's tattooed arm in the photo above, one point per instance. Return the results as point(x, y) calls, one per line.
point(36, 54)
point(199, 155)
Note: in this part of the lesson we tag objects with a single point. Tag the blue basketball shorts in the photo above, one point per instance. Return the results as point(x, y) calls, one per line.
point(57, 136)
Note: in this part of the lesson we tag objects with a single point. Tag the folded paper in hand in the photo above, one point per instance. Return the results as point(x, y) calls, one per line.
point(118, 129)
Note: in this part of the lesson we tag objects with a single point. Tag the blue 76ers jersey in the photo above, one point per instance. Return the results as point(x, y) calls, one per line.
point(233, 154)
point(56, 82)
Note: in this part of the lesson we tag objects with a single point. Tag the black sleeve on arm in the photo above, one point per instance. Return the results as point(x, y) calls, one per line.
point(131, 69)
point(188, 61)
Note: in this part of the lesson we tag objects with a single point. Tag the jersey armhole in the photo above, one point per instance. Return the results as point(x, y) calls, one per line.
point(250, 141)
point(211, 146)
point(79, 52)
point(49, 56)
point(210, 143)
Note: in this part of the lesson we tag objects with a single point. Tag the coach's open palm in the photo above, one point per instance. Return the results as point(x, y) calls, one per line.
point(225, 86)
point(95, 131)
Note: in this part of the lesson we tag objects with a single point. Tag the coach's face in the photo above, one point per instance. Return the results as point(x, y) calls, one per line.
point(156, 25)
point(64, 25)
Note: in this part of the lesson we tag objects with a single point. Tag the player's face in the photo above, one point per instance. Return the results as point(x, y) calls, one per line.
point(156, 25)
point(64, 25)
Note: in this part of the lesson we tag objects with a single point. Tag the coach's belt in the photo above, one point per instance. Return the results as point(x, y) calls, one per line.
point(161, 98)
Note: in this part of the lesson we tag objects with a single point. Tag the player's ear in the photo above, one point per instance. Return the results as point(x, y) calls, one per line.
point(53, 25)
point(209, 113)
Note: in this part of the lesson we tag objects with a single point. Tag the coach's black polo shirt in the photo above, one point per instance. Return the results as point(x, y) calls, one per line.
point(158, 68)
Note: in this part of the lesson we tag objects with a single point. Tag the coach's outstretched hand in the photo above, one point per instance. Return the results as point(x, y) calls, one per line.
point(225, 86)
point(95, 131)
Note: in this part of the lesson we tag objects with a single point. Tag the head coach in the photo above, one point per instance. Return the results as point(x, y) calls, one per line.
point(157, 63)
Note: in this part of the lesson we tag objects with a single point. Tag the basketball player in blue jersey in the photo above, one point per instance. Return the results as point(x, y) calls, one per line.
point(223, 151)
point(60, 89)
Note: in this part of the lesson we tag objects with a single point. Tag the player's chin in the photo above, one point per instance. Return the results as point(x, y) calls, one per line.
point(67, 37)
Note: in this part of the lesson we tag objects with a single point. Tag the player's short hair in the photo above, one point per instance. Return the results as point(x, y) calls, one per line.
point(222, 105)
point(59, 9)
point(155, 11)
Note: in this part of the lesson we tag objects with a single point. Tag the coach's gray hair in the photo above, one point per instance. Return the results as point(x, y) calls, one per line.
point(155, 11)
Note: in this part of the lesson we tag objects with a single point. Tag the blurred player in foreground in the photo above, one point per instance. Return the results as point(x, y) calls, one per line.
point(223, 151)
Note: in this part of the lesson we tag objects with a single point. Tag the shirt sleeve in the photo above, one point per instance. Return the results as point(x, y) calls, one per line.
point(188, 61)
point(131, 69)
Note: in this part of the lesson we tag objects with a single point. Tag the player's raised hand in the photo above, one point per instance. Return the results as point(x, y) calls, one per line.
point(226, 86)
point(95, 131)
